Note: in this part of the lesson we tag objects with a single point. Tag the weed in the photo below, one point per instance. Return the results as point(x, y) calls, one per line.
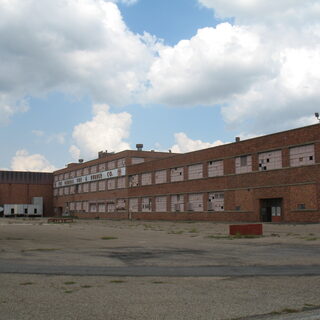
point(68, 291)
point(69, 282)
point(26, 283)
point(40, 249)
point(158, 282)
point(117, 281)
point(108, 238)
point(193, 230)
point(86, 286)
point(176, 232)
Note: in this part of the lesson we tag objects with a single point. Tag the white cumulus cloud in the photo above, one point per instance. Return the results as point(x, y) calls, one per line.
point(23, 161)
point(185, 144)
point(80, 47)
point(106, 131)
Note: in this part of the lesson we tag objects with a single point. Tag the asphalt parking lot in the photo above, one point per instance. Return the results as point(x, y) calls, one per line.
point(157, 270)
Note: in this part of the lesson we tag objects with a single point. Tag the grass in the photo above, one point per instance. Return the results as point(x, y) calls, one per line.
point(176, 232)
point(40, 249)
point(193, 230)
point(117, 281)
point(26, 283)
point(232, 237)
point(108, 238)
point(68, 291)
point(158, 282)
point(69, 282)
point(86, 286)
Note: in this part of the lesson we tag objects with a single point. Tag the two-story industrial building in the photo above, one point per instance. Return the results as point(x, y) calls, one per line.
point(272, 178)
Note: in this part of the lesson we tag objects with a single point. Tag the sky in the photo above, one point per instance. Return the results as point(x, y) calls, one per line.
point(81, 76)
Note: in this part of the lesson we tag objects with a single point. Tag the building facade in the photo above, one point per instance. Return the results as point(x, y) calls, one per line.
point(273, 178)
point(26, 193)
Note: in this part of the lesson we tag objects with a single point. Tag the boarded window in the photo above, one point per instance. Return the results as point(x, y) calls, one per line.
point(72, 206)
point(85, 187)
point(121, 163)
point(177, 203)
point(146, 179)
point(121, 182)
point(161, 204)
point(243, 164)
point(216, 201)
point(146, 204)
point(134, 181)
point(93, 169)
point(176, 174)
point(102, 185)
point(137, 160)
point(111, 165)
point(72, 189)
point(270, 160)
point(195, 202)
point(195, 171)
point(92, 207)
point(111, 184)
point(93, 186)
point(79, 173)
point(121, 205)
point(111, 206)
point(161, 176)
point(85, 171)
point(133, 205)
point(102, 167)
point(79, 206)
point(302, 156)
point(101, 207)
point(215, 168)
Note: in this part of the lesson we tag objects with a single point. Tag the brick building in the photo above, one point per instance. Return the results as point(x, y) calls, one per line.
point(21, 188)
point(269, 178)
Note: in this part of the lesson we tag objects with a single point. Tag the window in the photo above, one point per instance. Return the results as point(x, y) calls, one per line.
point(134, 181)
point(215, 168)
point(146, 179)
point(243, 164)
point(176, 174)
point(270, 160)
point(301, 206)
point(195, 202)
point(133, 205)
point(146, 204)
point(216, 201)
point(195, 171)
point(177, 203)
point(161, 204)
point(161, 176)
point(302, 156)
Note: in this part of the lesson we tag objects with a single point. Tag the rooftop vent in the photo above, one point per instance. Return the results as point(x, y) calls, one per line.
point(139, 146)
point(237, 139)
point(80, 160)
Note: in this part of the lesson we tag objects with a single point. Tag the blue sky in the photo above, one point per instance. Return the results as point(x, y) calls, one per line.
point(90, 75)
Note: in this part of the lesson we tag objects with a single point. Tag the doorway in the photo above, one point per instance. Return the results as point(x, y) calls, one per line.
point(271, 210)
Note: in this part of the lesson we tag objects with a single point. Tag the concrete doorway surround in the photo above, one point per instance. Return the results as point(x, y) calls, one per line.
point(271, 210)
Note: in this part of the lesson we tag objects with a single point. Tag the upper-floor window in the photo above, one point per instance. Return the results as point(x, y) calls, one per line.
point(176, 174)
point(302, 156)
point(146, 179)
point(195, 171)
point(93, 169)
point(243, 164)
point(270, 160)
point(215, 168)
point(121, 163)
point(134, 180)
point(102, 167)
point(111, 165)
point(161, 176)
